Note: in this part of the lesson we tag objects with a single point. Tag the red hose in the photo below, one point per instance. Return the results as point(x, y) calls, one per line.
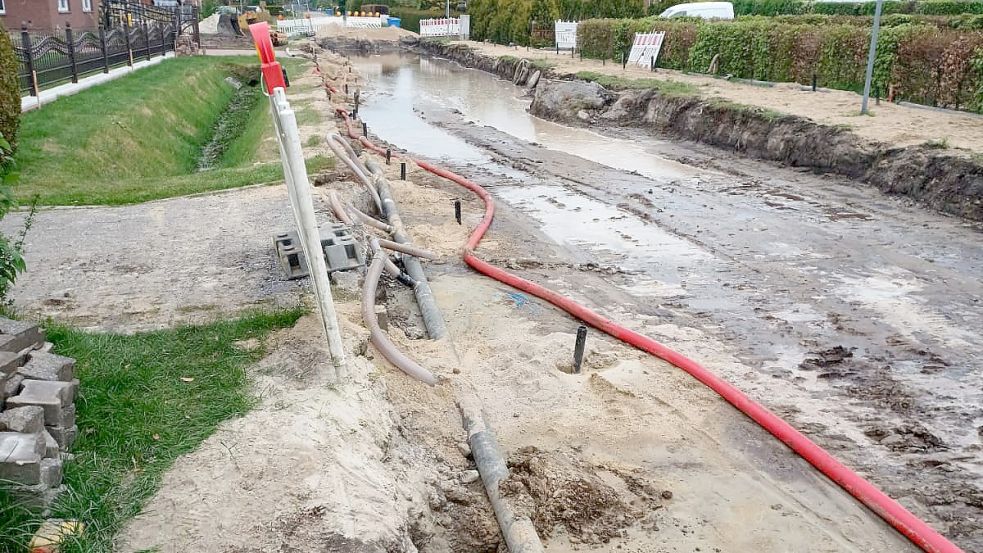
point(915, 529)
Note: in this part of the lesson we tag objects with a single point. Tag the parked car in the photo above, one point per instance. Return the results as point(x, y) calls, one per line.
point(704, 10)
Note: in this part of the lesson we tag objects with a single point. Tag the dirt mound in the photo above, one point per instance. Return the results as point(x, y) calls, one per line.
point(559, 490)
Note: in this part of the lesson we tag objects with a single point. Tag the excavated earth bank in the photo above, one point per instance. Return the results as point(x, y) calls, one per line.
point(949, 181)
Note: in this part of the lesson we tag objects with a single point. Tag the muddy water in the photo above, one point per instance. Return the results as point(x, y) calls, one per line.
point(780, 267)
point(404, 86)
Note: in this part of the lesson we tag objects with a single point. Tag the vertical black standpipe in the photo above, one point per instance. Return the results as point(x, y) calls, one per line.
point(813, 82)
point(402, 170)
point(457, 211)
point(365, 129)
point(389, 155)
point(346, 88)
point(651, 63)
point(578, 348)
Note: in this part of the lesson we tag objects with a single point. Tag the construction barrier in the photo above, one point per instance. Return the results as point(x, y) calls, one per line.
point(645, 50)
point(316, 25)
point(566, 34)
point(446, 26)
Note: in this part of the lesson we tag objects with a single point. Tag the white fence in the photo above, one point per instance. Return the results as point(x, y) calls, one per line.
point(444, 26)
point(566, 34)
point(315, 25)
point(645, 50)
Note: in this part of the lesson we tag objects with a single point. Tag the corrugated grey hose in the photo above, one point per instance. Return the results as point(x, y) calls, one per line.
point(432, 317)
point(519, 532)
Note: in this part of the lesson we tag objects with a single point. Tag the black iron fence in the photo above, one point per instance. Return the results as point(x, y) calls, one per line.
point(129, 33)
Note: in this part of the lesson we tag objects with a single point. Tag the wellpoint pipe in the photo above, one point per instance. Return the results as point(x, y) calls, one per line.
point(339, 210)
point(518, 531)
point(353, 164)
point(370, 220)
point(432, 317)
point(407, 249)
point(912, 527)
point(376, 335)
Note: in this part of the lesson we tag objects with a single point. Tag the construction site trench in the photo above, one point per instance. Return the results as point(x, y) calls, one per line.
point(852, 314)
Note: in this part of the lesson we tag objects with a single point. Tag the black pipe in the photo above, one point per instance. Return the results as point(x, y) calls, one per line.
point(578, 348)
point(457, 211)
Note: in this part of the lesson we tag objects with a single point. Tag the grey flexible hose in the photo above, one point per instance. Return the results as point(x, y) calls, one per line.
point(432, 317)
point(376, 335)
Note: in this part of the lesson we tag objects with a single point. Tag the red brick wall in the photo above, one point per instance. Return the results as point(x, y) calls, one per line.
point(43, 15)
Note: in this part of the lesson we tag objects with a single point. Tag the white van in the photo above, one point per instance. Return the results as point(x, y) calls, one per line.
point(704, 10)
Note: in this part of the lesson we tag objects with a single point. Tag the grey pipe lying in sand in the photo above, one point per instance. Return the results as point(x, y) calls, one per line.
point(344, 152)
point(407, 249)
point(519, 532)
point(376, 335)
point(432, 317)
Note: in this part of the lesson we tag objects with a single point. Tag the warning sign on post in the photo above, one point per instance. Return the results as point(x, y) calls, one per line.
point(645, 49)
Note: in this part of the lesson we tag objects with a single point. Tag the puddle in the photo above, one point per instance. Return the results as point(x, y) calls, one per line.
point(402, 86)
point(584, 223)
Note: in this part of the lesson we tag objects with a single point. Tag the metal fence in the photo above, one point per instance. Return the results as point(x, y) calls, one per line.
point(47, 59)
point(129, 32)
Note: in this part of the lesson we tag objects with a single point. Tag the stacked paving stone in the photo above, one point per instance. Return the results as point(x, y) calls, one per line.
point(37, 412)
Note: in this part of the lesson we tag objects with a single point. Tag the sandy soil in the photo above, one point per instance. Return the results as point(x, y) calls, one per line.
point(894, 124)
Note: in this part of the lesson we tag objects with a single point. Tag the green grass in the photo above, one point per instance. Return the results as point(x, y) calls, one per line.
point(145, 400)
point(140, 138)
point(144, 189)
point(673, 88)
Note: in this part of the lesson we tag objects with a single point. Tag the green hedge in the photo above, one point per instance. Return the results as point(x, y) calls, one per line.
point(510, 21)
point(798, 7)
point(917, 62)
point(9, 90)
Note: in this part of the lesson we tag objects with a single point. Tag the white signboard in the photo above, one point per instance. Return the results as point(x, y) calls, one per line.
point(566, 34)
point(645, 49)
point(446, 26)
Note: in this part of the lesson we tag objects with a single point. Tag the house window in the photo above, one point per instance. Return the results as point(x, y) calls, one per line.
point(3, 7)
point(87, 5)
point(62, 6)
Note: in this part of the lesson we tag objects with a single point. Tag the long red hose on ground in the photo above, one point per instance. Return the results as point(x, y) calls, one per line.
point(915, 529)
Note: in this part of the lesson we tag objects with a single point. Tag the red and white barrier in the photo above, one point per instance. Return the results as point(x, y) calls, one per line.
point(645, 50)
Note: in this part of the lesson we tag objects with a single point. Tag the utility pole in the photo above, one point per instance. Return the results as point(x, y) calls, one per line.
point(871, 55)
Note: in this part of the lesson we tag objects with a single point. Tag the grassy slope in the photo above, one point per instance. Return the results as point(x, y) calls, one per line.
point(137, 413)
point(138, 138)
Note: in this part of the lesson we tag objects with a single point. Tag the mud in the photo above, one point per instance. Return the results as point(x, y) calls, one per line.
point(831, 296)
point(949, 182)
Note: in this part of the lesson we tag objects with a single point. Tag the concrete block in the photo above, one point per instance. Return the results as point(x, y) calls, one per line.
point(341, 250)
point(51, 449)
point(66, 420)
point(65, 436)
point(9, 362)
point(20, 457)
point(53, 397)
point(51, 472)
point(18, 335)
point(11, 386)
point(29, 420)
point(37, 496)
point(48, 366)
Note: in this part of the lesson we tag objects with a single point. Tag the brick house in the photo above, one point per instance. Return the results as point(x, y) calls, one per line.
point(49, 15)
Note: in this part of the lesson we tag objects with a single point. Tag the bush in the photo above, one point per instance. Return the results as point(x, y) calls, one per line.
point(797, 7)
point(9, 90)
point(926, 63)
point(505, 21)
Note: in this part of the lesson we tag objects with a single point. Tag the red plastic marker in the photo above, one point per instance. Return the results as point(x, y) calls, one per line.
point(272, 72)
